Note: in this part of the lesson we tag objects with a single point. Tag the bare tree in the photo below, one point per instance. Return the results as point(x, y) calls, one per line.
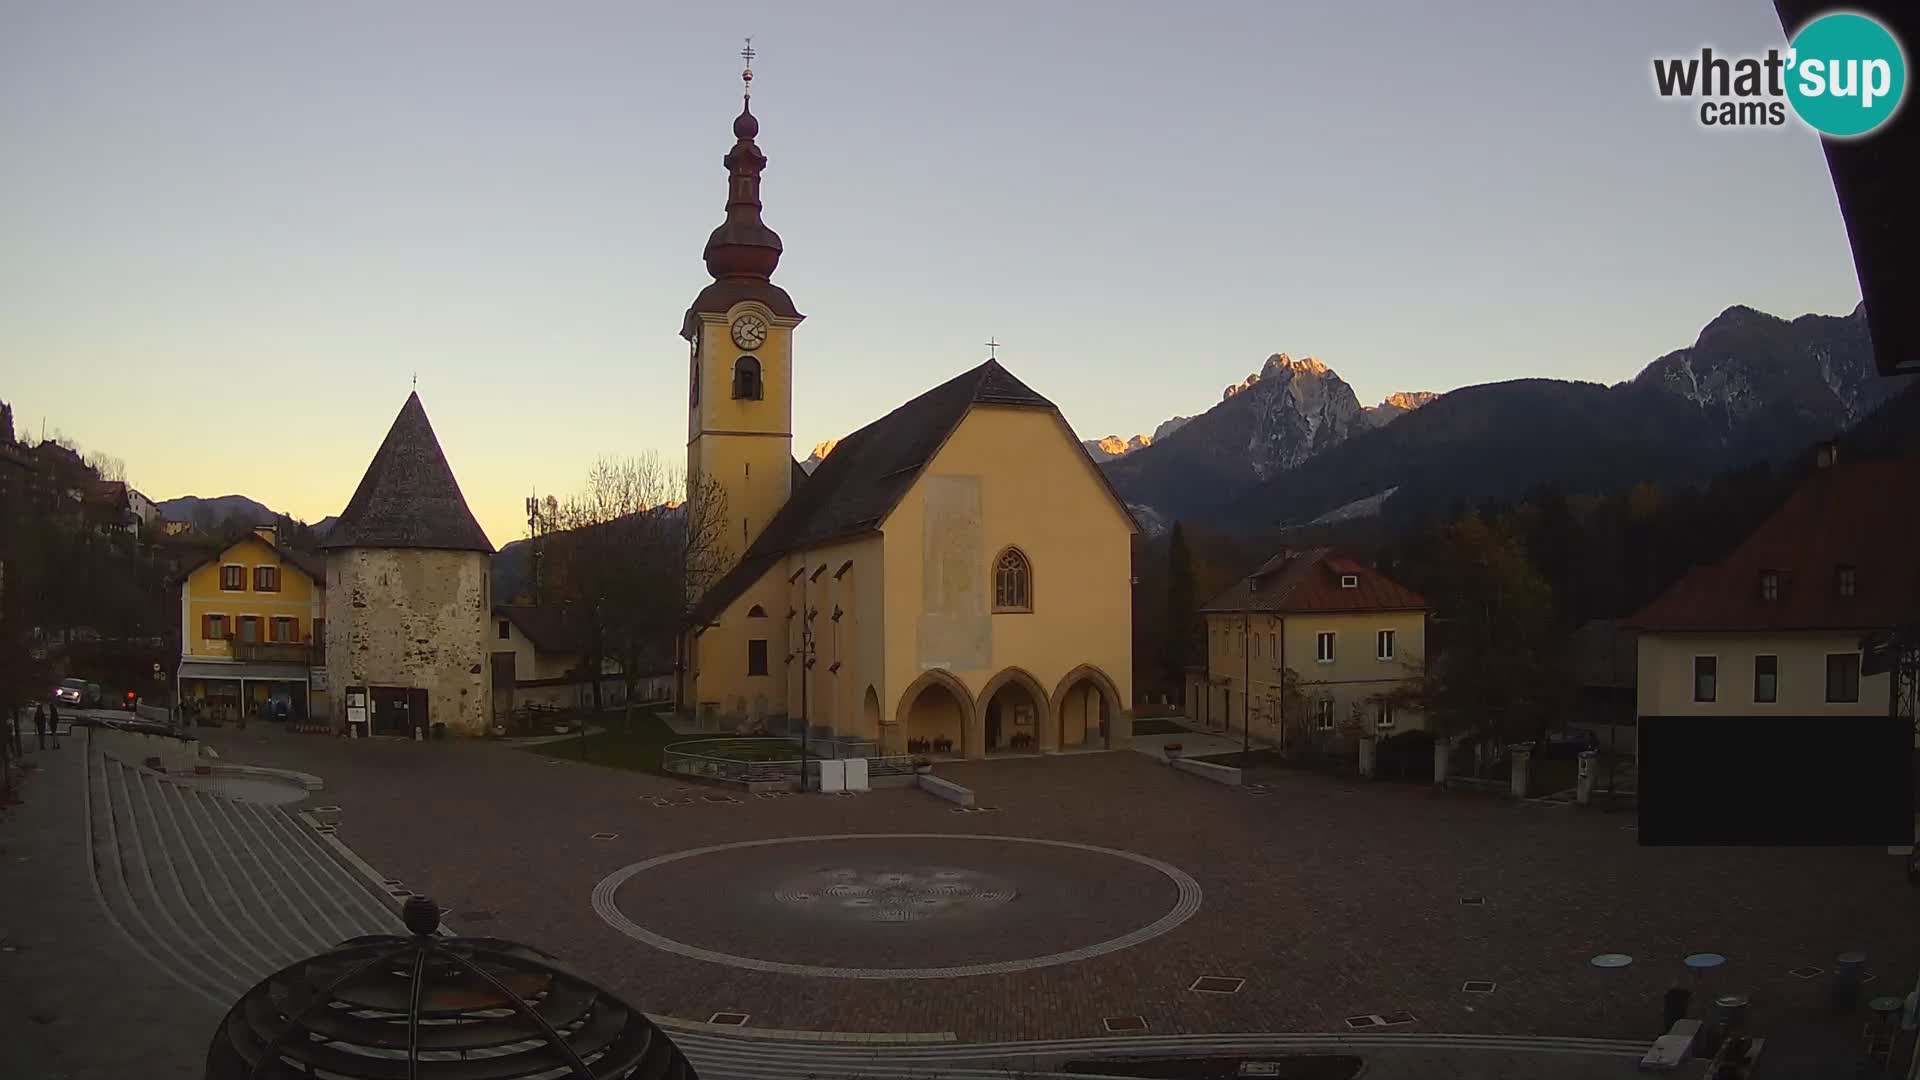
point(626, 558)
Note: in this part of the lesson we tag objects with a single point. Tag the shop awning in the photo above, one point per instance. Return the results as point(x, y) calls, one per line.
point(214, 669)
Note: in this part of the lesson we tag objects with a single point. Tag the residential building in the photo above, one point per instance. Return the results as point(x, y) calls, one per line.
point(537, 655)
point(954, 575)
point(1775, 628)
point(252, 620)
point(1354, 639)
point(409, 593)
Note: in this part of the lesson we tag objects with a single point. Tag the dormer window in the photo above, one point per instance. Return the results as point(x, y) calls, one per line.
point(1845, 580)
point(1769, 586)
point(1349, 581)
point(746, 379)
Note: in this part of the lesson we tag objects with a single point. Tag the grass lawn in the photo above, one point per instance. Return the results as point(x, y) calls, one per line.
point(637, 749)
point(1157, 727)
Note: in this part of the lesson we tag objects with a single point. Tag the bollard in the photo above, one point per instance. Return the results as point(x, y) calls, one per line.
point(1583, 786)
point(1848, 970)
point(1522, 758)
point(1442, 760)
point(419, 735)
point(1366, 755)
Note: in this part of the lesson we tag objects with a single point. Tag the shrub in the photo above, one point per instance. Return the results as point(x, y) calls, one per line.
point(1405, 756)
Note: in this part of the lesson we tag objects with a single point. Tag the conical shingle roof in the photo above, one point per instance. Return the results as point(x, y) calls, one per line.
point(409, 498)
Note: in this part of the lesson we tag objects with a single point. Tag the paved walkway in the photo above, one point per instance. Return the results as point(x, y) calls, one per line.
point(78, 998)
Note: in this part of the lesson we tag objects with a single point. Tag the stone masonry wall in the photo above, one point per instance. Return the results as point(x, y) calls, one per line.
point(416, 618)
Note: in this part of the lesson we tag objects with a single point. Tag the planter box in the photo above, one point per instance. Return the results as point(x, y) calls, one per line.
point(1207, 770)
point(945, 789)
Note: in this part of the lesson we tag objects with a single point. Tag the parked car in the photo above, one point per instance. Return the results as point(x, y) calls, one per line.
point(70, 692)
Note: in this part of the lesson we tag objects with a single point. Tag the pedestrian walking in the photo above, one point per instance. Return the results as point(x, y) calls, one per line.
point(53, 724)
point(40, 725)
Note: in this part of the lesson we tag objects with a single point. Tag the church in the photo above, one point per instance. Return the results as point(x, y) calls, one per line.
point(954, 579)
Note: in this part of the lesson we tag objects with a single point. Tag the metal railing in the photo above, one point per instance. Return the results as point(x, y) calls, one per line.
point(709, 759)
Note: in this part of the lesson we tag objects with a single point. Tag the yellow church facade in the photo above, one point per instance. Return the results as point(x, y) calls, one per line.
point(953, 579)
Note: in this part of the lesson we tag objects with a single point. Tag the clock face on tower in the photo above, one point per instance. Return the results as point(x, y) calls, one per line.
point(749, 331)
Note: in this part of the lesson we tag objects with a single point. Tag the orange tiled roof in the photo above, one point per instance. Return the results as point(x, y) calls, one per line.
point(1299, 581)
point(1863, 516)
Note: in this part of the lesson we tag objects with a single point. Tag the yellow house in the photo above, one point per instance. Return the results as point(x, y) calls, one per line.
point(252, 618)
point(955, 578)
point(1350, 635)
point(1775, 628)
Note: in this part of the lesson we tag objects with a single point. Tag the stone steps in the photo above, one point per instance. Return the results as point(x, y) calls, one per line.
point(219, 892)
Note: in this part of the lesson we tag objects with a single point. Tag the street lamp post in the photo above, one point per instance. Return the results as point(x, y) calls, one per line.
point(1246, 677)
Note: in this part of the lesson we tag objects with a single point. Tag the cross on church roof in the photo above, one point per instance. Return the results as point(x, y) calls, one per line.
point(992, 349)
point(746, 76)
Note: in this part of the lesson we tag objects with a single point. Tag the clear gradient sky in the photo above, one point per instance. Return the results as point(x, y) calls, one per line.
point(230, 233)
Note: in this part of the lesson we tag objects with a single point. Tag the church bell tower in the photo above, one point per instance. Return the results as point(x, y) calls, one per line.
point(739, 333)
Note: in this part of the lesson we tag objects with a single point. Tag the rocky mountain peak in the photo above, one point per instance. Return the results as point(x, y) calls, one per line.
point(820, 452)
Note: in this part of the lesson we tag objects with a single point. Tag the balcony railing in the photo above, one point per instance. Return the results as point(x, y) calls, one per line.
point(277, 652)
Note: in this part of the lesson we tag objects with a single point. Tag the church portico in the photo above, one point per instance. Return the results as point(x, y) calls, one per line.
point(935, 707)
point(1012, 709)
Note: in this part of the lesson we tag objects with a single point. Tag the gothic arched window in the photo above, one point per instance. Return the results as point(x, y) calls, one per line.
point(746, 378)
point(1012, 582)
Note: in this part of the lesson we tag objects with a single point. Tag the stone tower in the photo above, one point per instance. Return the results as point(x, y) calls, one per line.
point(409, 589)
point(739, 331)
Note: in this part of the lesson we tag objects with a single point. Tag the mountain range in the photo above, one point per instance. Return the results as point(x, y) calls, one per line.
point(1293, 447)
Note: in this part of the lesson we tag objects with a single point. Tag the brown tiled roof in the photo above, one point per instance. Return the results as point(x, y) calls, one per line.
point(547, 627)
point(1307, 580)
point(1861, 515)
point(408, 498)
point(854, 488)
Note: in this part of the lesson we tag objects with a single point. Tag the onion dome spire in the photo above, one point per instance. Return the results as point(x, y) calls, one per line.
point(743, 246)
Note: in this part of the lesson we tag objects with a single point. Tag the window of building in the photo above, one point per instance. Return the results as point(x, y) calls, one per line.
point(1256, 644)
point(1383, 716)
point(746, 379)
point(1769, 586)
point(213, 627)
point(1273, 645)
point(505, 630)
point(249, 628)
point(1323, 714)
point(1012, 582)
point(1705, 678)
point(1766, 679)
point(233, 578)
point(1383, 644)
point(757, 656)
point(1323, 647)
point(1845, 580)
point(1843, 677)
point(1349, 581)
point(283, 628)
point(266, 579)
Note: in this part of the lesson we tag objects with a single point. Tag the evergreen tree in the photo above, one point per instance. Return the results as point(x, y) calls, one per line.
point(1183, 619)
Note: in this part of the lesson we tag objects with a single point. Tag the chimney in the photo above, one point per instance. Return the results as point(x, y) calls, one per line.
point(1826, 455)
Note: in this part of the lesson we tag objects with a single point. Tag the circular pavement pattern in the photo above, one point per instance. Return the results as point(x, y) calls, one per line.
point(855, 894)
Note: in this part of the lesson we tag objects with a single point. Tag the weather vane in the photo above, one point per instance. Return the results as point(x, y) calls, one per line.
point(993, 348)
point(746, 76)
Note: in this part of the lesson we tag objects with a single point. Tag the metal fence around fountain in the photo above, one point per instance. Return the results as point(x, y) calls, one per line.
point(709, 759)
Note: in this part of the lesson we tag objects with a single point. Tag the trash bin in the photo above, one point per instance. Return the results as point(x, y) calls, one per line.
point(1848, 971)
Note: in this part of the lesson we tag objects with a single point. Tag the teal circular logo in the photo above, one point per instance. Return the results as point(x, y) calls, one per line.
point(1846, 74)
